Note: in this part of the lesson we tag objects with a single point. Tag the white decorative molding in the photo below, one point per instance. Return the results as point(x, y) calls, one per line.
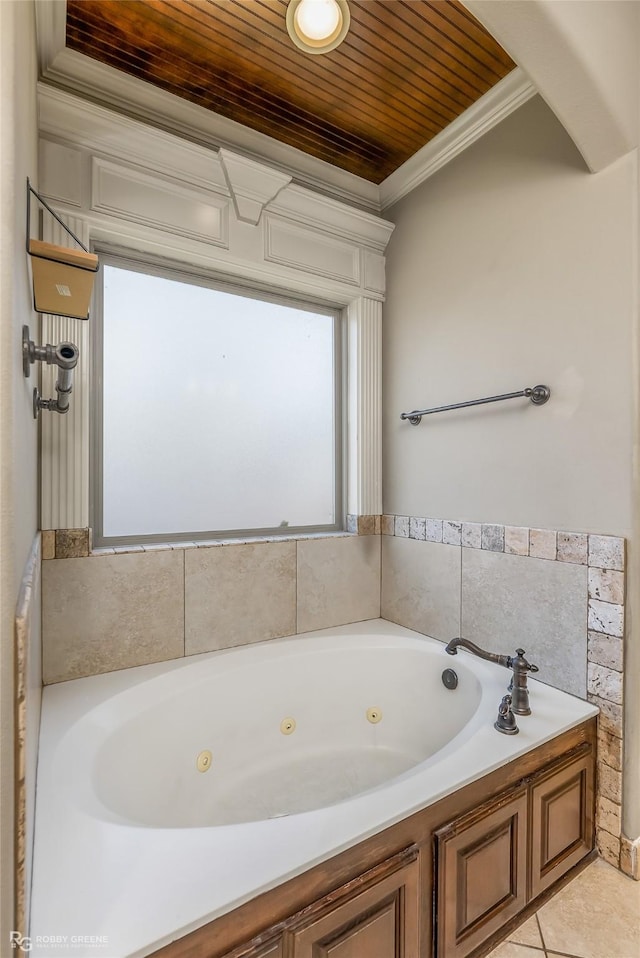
point(102, 84)
point(252, 185)
point(300, 247)
point(373, 271)
point(66, 117)
point(62, 173)
point(69, 71)
point(127, 197)
point(159, 203)
point(364, 433)
point(501, 100)
point(65, 439)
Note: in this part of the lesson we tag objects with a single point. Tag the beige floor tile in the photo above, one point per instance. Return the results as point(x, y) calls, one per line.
point(597, 915)
point(509, 949)
point(527, 934)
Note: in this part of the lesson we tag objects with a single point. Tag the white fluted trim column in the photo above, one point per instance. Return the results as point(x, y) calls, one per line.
point(364, 427)
point(65, 438)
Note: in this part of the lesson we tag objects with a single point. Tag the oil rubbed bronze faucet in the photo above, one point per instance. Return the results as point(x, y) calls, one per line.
point(517, 663)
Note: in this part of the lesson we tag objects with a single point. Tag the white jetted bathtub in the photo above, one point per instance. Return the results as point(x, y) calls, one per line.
point(169, 794)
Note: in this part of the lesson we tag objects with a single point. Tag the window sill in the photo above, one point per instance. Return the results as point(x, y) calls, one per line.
point(212, 543)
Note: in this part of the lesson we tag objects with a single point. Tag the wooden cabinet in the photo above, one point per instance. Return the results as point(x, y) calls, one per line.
point(376, 916)
point(481, 866)
point(492, 861)
point(441, 883)
point(561, 821)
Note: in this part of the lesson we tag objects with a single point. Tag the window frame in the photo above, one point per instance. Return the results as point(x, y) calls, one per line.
point(154, 266)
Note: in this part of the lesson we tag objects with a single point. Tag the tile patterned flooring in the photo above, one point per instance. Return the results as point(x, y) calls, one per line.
point(597, 915)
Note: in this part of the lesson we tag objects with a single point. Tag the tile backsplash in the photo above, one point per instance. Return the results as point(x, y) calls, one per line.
point(114, 610)
point(561, 595)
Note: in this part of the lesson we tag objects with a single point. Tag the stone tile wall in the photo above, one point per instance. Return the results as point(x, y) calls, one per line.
point(116, 609)
point(28, 697)
point(563, 591)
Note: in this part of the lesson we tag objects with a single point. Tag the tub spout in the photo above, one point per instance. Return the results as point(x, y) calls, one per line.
point(452, 649)
point(517, 663)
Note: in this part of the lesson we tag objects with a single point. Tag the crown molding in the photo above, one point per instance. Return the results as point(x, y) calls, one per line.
point(104, 86)
point(501, 100)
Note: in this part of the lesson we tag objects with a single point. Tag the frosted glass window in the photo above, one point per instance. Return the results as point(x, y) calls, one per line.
point(219, 410)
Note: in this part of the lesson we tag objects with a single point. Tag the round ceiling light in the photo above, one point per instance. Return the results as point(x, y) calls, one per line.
point(317, 26)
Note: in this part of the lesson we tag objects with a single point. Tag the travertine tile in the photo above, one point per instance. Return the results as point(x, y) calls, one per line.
point(608, 816)
point(48, 544)
point(604, 682)
point(606, 552)
point(241, 594)
point(434, 530)
point(111, 612)
point(378, 525)
point(542, 543)
point(366, 525)
point(630, 857)
point(610, 718)
point(610, 783)
point(606, 650)
point(606, 617)
point(510, 601)
point(595, 916)
point(609, 749)
point(492, 537)
point(402, 527)
point(28, 690)
point(417, 528)
point(72, 543)
point(606, 585)
point(516, 540)
point(338, 581)
point(387, 525)
point(608, 847)
point(472, 535)
point(421, 586)
point(451, 532)
point(573, 547)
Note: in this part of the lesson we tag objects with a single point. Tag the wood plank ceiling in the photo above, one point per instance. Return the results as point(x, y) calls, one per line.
point(406, 69)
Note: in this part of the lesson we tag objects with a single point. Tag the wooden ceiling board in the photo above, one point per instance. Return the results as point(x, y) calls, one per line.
point(406, 69)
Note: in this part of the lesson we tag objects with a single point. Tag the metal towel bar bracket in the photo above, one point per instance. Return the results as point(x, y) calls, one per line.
point(537, 394)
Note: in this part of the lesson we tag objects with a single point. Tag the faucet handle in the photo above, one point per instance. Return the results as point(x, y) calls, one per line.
point(520, 664)
point(506, 721)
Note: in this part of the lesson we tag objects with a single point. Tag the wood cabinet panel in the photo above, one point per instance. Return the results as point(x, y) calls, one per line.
point(378, 921)
point(255, 949)
point(481, 861)
point(561, 821)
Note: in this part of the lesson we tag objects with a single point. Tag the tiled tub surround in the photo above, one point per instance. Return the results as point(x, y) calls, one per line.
point(560, 595)
point(28, 698)
point(108, 611)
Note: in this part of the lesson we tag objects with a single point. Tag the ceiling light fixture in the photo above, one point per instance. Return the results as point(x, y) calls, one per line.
point(318, 26)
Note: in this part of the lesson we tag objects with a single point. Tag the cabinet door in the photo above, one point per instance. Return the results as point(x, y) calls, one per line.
point(562, 821)
point(375, 916)
point(481, 873)
point(258, 949)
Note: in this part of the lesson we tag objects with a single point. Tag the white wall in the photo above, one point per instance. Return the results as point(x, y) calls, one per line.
point(18, 431)
point(514, 266)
